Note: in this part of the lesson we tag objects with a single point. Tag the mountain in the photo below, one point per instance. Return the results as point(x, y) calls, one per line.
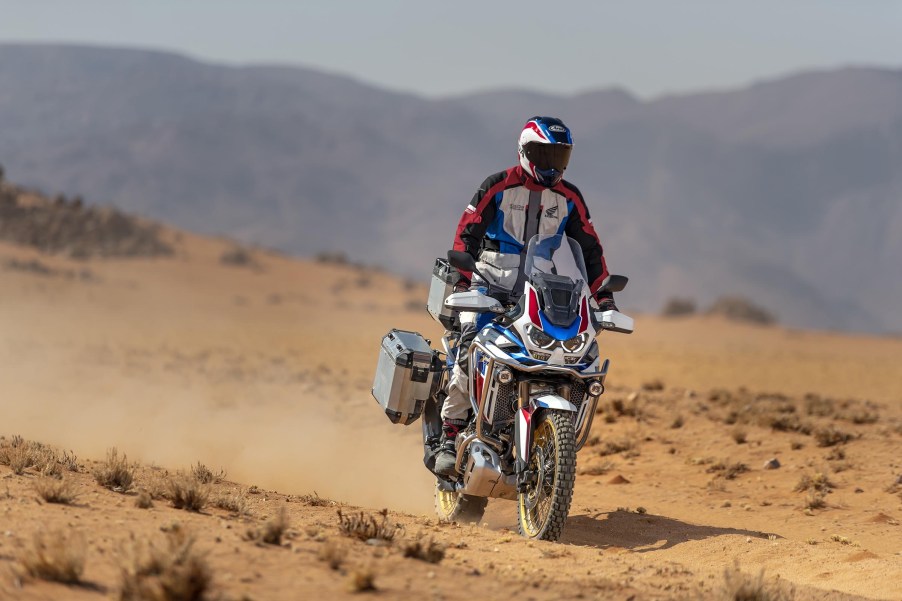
point(788, 191)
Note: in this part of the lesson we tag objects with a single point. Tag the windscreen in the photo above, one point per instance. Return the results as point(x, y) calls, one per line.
point(556, 255)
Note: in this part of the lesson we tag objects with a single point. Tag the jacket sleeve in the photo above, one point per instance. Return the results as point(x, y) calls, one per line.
point(476, 219)
point(580, 228)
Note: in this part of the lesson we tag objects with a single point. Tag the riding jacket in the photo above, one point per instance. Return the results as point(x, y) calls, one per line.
point(509, 208)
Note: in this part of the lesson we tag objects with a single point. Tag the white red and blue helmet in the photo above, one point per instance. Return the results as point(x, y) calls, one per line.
point(544, 148)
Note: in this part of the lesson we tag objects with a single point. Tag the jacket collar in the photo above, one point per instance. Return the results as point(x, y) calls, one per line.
point(527, 181)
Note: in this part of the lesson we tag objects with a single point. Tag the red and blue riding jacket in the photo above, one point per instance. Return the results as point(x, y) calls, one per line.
point(496, 220)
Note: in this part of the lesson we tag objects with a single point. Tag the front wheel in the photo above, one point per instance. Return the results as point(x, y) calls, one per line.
point(545, 502)
point(457, 507)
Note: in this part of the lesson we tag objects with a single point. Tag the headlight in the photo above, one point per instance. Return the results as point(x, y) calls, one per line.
point(577, 343)
point(540, 338)
point(504, 375)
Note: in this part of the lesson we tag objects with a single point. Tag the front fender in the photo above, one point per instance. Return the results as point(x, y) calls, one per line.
point(552, 401)
point(523, 424)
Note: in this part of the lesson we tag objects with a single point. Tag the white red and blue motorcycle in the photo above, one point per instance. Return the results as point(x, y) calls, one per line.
point(535, 377)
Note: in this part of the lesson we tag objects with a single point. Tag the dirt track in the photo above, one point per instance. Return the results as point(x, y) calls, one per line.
point(265, 371)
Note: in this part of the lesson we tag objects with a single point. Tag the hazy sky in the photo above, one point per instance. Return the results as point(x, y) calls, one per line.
point(438, 48)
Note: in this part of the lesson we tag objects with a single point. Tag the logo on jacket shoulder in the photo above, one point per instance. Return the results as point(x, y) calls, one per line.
point(551, 212)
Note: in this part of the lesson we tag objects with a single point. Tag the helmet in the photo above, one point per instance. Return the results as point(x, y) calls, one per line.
point(544, 148)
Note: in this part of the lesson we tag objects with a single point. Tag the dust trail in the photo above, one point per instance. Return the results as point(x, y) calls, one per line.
point(289, 444)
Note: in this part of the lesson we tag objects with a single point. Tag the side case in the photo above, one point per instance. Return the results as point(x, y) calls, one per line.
point(407, 370)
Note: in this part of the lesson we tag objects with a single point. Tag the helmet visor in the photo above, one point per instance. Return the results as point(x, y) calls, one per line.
point(548, 156)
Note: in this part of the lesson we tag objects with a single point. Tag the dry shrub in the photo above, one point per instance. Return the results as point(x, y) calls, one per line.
point(741, 309)
point(830, 436)
point(365, 526)
point(186, 492)
point(53, 490)
point(272, 530)
point(738, 586)
point(655, 385)
point(727, 470)
point(115, 473)
point(315, 500)
point(817, 482)
point(427, 550)
point(332, 553)
point(204, 475)
point(144, 500)
point(55, 556)
point(598, 469)
point(177, 572)
point(362, 580)
point(678, 307)
point(236, 502)
point(816, 499)
point(612, 447)
point(69, 461)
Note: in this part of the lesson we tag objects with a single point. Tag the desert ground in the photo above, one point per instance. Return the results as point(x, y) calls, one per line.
point(258, 366)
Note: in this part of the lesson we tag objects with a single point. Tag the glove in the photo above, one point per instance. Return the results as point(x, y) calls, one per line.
point(462, 286)
point(606, 303)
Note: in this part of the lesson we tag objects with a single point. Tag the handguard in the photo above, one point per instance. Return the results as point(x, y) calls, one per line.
point(614, 321)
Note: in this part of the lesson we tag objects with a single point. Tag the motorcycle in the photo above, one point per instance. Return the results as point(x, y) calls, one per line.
point(535, 378)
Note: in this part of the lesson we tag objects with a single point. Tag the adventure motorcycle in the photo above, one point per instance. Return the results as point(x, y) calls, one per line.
point(535, 376)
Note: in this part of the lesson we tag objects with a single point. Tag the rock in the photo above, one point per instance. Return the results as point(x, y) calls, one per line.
point(632, 397)
point(772, 464)
point(618, 479)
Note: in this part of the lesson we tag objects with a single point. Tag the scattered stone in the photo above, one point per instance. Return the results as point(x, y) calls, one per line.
point(633, 396)
point(772, 464)
point(859, 490)
point(618, 479)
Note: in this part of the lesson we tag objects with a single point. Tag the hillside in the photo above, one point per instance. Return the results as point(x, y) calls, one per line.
point(260, 365)
point(785, 191)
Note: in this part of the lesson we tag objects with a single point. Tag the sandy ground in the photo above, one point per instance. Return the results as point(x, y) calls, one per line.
point(264, 371)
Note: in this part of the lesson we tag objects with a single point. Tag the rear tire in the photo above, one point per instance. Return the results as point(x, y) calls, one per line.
point(544, 506)
point(457, 507)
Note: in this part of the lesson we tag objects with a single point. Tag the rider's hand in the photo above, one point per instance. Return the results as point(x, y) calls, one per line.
point(606, 303)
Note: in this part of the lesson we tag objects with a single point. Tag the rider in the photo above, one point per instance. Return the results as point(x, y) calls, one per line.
point(509, 208)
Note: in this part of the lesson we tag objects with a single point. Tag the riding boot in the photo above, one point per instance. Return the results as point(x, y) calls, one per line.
point(446, 459)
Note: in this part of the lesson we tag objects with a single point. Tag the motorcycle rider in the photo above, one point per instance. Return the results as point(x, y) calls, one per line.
point(508, 209)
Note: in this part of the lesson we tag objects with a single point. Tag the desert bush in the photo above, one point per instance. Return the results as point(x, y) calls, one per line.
point(362, 580)
point(829, 436)
point(678, 307)
point(738, 586)
point(332, 553)
point(144, 500)
point(187, 492)
point(177, 572)
point(365, 526)
point(315, 500)
point(272, 530)
point(238, 256)
point(427, 550)
point(816, 499)
point(598, 469)
point(205, 475)
point(818, 482)
point(55, 556)
point(612, 447)
point(741, 309)
point(236, 502)
point(115, 472)
point(54, 490)
point(727, 470)
point(69, 461)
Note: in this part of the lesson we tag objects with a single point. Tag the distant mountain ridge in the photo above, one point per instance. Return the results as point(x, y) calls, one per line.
point(788, 191)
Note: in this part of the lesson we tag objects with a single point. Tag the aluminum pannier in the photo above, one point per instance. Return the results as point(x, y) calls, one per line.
point(406, 373)
point(444, 277)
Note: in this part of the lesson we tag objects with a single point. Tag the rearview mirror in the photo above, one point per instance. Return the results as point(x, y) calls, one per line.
point(614, 283)
point(462, 260)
